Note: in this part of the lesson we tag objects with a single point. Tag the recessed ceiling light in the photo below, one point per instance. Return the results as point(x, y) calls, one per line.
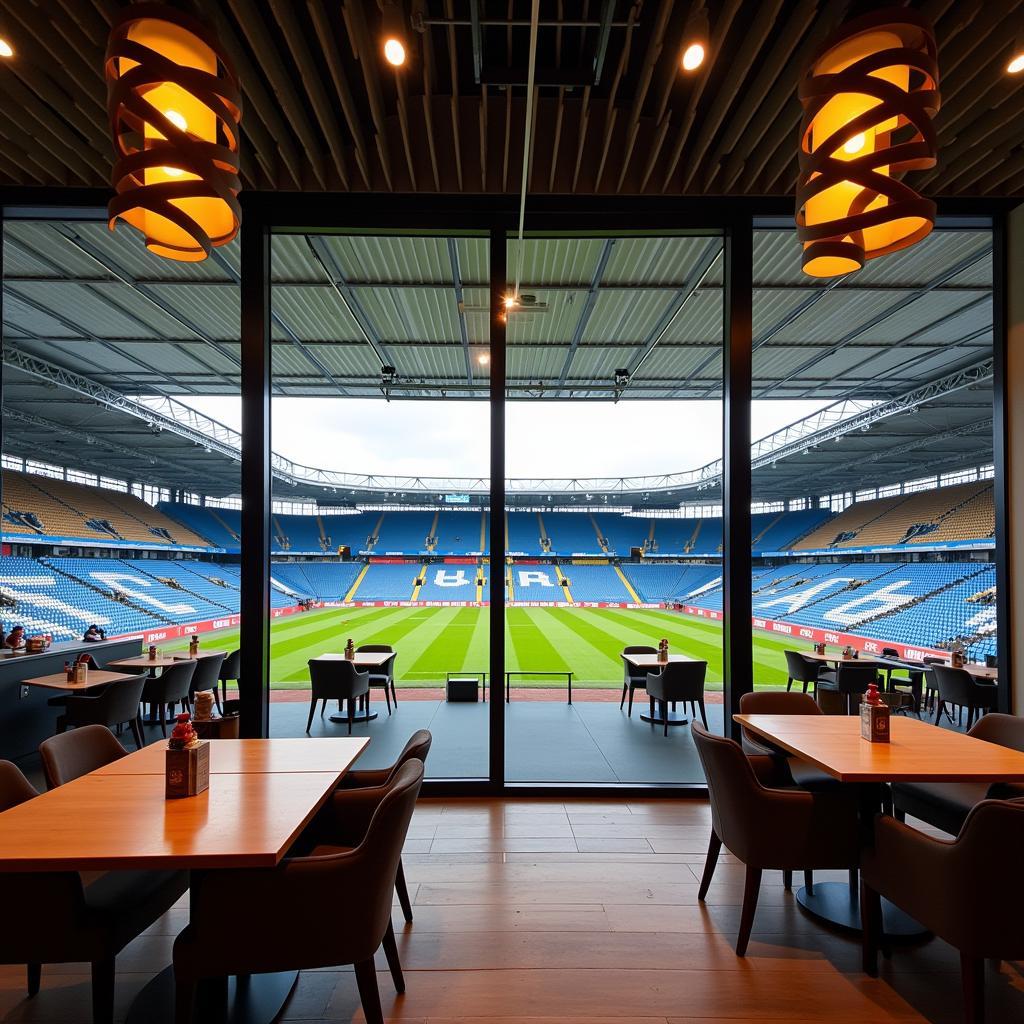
point(6, 50)
point(1015, 66)
point(696, 38)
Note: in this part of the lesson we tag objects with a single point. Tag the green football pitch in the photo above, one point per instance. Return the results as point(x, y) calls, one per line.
point(433, 641)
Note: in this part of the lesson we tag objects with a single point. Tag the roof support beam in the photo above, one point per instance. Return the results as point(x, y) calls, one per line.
point(221, 261)
point(588, 308)
point(323, 255)
point(453, 258)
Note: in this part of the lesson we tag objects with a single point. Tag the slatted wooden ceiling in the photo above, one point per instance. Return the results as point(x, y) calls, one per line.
point(324, 112)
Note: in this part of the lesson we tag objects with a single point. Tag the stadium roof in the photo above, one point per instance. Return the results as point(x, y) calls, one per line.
point(92, 321)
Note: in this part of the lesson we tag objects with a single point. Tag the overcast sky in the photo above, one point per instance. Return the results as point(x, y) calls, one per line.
point(549, 439)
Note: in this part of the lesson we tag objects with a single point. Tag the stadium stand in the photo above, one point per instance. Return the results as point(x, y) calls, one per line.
point(523, 533)
point(449, 583)
point(974, 518)
point(404, 533)
point(571, 533)
point(384, 582)
point(595, 583)
point(323, 581)
point(184, 577)
point(350, 530)
point(785, 528)
point(536, 583)
point(297, 533)
point(459, 533)
point(668, 581)
point(221, 527)
point(621, 532)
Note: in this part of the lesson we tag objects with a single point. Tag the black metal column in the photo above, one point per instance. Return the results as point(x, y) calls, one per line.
point(1001, 461)
point(737, 655)
point(499, 286)
point(254, 685)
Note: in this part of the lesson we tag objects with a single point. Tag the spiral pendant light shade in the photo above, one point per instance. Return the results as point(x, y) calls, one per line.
point(868, 99)
point(174, 106)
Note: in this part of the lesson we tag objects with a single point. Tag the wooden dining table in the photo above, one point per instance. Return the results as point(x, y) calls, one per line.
point(917, 752)
point(986, 673)
point(59, 681)
point(262, 794)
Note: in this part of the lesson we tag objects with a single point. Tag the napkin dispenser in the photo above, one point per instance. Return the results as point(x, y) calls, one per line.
point(187, 771)
point(874, 717)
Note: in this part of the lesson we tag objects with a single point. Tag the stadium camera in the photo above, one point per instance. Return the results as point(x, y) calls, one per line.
point(387, 375)
point(621, 378)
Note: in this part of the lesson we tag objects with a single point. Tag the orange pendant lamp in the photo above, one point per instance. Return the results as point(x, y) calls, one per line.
point(174, 106)
point(868, 99)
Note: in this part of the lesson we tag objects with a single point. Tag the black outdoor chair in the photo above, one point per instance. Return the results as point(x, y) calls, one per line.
point(170, 688)
point(116, 705)
point(678, 681)
point(634, 678)
point(931, 689)
point(337, 679)
point(960, 689)
point(850, 679)
point(384, 676)
point(801, 669)
point(909, 685)
point(230, 669)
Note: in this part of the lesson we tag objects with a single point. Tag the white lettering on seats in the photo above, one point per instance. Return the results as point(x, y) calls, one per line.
point(884, 599)
point(12, 586)
point(527, 578)
point(444, 578)
point(115, 580)
point(794, 600)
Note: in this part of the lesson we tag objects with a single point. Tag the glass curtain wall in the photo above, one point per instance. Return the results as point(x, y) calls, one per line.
point(873, 519)
point(121, 451)
point(613, 519)
point(380, 427)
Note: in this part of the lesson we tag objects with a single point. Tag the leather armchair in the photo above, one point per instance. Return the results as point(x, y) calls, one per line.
point(958, 687)
point(945, 805)
point(321, 910)
point(61, 918)
point(801, 670)
point(767, 827)
point(930, 879)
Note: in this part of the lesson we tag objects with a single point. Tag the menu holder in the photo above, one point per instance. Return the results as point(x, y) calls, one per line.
point(188, 770)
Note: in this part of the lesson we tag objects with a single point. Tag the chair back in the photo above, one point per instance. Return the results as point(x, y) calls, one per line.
point(854, 678)
point(375, 648)
point(118, 703)
point(678, 680)
point(800, 668)
point(890, 652)
point(416, 748)
point(388, 667)
point(1006, 730)
point(14, 787)
point(207, 673)
point(231, 666)
point(172, 684)
point(773, 702)
point(632, 672)
point(955, 685)
point(69, 755)
point(337, 678)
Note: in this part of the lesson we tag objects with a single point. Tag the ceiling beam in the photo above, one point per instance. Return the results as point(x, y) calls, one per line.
point(453, 259)
point(587, 311)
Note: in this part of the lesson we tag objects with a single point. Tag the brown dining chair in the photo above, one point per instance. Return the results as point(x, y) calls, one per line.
point(357, 798)
point(925, 877)
point(677, 681)
point(957, 687)
point(767, 827)
point(633, 678)
point(169, 689)
point(63, 919)
point(945, 805)
point(255, 921)
point(70, 755)
point(384, 675)
point(117, 704)
point(336, 679)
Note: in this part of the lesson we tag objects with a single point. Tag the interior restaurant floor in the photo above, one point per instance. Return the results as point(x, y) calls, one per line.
point(531, 912)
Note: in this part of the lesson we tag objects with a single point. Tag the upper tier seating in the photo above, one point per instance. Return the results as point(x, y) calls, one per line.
point(404, 533)
point(64, 509)
point(622, 533)
point(786, 527)
point(571, 533)
point(459, 533)
point(972, 519)
point(222, 527)
point(523, 533)
point(297, 533)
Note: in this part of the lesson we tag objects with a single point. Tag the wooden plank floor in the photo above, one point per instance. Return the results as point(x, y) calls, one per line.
point(531, 912)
